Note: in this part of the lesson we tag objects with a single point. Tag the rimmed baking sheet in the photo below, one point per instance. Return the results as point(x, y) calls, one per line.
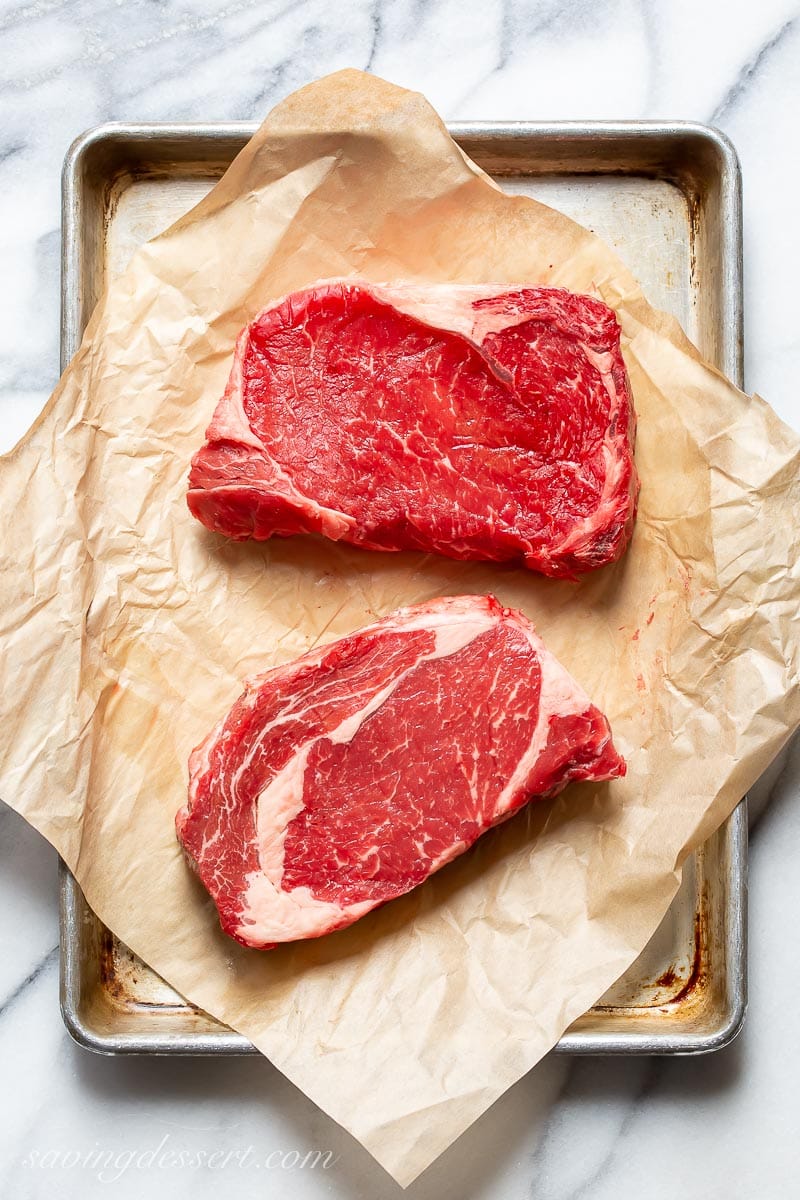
point(667, 198)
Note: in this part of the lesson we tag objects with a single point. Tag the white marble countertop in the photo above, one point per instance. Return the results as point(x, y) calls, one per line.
point(722, 1125)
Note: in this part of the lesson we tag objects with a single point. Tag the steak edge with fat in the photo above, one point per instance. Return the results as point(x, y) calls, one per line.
point(345, 778)
point(478, 422)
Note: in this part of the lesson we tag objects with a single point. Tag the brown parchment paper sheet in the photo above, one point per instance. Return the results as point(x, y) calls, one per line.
point(126, 629)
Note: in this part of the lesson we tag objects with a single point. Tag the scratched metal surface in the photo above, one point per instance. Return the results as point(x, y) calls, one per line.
point(667, 197)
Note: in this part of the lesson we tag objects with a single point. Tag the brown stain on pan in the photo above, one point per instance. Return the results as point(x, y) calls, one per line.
point(696, 984)
point(125, 979)
point(694, 207)
point(667, 980)
point(110, 981)
point(693, 986)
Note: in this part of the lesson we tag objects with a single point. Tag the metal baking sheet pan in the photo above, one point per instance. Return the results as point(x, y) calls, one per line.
point(667, 197)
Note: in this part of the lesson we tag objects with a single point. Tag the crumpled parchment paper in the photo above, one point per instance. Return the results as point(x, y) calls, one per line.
point(126, 629)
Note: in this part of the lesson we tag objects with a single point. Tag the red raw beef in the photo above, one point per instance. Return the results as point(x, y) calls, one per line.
point(346, 778)
point(478, 422)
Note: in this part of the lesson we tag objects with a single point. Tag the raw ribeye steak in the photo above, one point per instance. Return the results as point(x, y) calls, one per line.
point(478, 422)
point(349, 776)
